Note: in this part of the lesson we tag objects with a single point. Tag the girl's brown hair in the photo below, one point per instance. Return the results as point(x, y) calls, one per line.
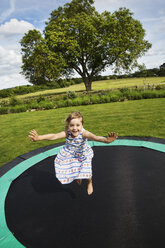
point(71, 116)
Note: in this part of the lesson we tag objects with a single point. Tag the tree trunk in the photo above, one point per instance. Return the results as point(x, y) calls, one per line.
point(88, 84)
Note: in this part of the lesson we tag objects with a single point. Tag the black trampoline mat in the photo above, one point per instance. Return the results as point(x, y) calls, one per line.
point(126, 210)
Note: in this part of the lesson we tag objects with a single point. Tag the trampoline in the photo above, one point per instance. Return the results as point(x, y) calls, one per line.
point(126, 209)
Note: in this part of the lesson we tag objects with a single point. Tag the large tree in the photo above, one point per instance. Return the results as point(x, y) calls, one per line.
point(87, 42)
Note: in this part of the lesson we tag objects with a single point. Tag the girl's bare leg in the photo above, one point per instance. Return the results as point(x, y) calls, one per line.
point(90, 186)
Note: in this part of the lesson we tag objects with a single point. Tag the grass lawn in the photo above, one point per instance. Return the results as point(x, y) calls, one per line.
point(100, 85)
point(129, 118)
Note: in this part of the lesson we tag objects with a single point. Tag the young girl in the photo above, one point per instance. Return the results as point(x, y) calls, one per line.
point(74, 161)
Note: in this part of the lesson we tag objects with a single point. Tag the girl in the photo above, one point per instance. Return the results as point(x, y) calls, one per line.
point(75, 157)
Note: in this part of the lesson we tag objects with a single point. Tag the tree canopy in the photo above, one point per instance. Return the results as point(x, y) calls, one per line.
point(79, 39)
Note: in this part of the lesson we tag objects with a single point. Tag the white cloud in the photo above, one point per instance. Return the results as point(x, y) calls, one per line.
point(7, 12)
point(15, 27)
point(10, 67)
point(10, 56)
point(9, 81)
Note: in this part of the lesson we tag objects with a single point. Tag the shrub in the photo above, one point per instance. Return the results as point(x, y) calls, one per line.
point(4, 93)
point(77, 101)
point(71, 94)
point(148, 94)
point(15, 101)
point(4, 110)
point(34, 105)
point(69, 102)
point(134, 95)
point(46, 105)
point(4, 103)
point(40, 99)
point(104, 98)
point(61, 104)
point(18, 109)
point(161, 93)
point(95, 99)
point(85, 100)
point(158, 87)
point(114, 97)
point(125, 90)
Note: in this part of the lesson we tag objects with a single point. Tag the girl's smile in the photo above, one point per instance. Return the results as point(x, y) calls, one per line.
point(75, 126)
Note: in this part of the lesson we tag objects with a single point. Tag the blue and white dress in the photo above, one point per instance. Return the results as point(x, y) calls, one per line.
point(74, 160)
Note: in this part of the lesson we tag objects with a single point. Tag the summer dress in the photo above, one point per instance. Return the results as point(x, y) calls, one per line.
point(74, 160)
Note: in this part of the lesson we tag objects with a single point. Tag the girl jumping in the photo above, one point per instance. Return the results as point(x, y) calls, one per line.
point(74, 160)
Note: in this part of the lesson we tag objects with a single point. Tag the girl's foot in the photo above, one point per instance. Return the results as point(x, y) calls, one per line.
point(90, 187)
point(79, 181)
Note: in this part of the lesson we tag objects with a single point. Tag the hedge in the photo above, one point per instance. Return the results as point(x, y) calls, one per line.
point(73, 100)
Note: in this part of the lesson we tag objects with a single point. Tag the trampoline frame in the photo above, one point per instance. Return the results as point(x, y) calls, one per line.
point(7, 239)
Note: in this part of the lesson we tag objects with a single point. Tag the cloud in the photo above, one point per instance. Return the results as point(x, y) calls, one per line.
point(10, 56)
point(10, 62)
point(12, 80)
point(8, 12)
point(15, 27)
point(10, 67)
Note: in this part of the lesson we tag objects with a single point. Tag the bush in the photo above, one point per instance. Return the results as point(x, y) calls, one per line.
point(46, 105)
point(3, 103)
point(69, 102)
point(61, 104)
point(158, 87)
point(15, 101)
point(114, 97)
point(71, 94)
point(153, 94)
point(4, 93)
point(104, 98)
point(18, 109)
point(33, 105)
point(85, 100)
point(4, 110)
point(95, 99)
point(134, 95)
point(149, 94)
point(40, 99)
point(125, 90)
point(161, 93)
point(77, 101)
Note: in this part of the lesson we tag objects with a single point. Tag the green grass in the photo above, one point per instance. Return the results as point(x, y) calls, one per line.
point(100, 85)
point(129, 118)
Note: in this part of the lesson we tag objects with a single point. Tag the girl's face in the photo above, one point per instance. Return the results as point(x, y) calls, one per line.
point(75, 126)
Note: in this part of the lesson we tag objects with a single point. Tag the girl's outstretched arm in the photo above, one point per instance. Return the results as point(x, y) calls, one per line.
point(35, 137)
point(110, 138)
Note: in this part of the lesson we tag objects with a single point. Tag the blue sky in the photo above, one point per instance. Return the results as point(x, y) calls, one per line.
point(19, 16)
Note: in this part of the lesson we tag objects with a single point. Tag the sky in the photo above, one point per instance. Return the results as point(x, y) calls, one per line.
point(17, 17)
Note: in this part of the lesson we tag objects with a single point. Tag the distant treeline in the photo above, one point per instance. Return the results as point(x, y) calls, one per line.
point(20, 90)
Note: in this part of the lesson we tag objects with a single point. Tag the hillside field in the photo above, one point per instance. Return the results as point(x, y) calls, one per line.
point(100, 85)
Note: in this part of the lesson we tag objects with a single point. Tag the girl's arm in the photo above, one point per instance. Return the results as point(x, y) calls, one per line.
point(111, 137)
point(35, 137)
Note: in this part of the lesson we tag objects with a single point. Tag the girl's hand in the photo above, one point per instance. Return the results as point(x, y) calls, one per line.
point(34, 135)
point(111, 137)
